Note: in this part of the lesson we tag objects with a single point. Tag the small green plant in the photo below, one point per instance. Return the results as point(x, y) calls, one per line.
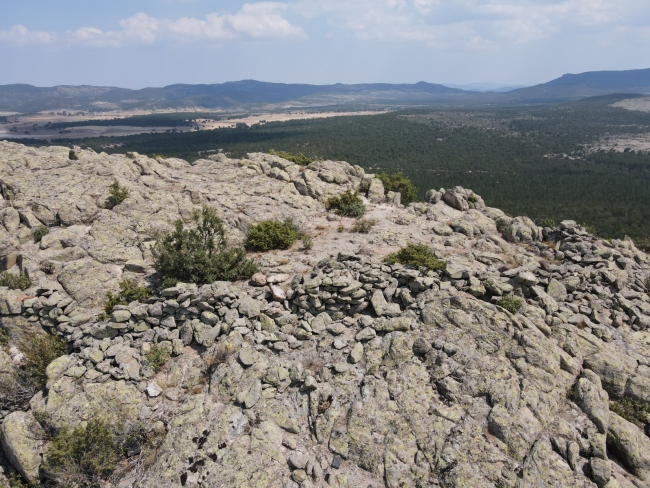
point(86, 455)
point(473, 198)
point(399, 183)
point(307, 242)
point(158, 156)
point(17, 387)
point(647, 283)
point(340, 228)
point(40, 232)
point(15, 282)
point(118, 193)
point(363, 226)
point(347, 204)
point(547, 222)
point(511, 303)
point(130, 291)
point(83, 455)
point(72, 155)
point(15, 481)
point(416, 255)
point(299, 159)
point(157, 357)
point(4, 337)
point(272, 234)
point(631, 410)
point(200, 255)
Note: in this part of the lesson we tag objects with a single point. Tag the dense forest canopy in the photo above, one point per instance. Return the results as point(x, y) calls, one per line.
point(543, 162)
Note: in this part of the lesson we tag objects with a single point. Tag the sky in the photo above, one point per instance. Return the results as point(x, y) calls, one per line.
point(139, 43)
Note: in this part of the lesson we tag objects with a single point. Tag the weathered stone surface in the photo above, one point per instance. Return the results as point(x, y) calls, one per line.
point(380, 375)
point(22, 442)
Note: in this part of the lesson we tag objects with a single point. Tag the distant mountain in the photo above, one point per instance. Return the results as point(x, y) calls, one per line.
point(573, 87)
point(607, 80)
point(27, 98)
point(256, 95)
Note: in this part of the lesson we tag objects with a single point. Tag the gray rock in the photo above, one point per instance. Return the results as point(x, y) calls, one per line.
point(632, 446)
point(249, 307)
point(22, 442)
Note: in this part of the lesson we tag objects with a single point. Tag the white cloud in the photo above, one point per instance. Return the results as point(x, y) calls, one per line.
point(19, 34)
point(494, 22)
point(262, 20)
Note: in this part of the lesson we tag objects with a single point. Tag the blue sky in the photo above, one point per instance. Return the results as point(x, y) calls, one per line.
point(140, 43)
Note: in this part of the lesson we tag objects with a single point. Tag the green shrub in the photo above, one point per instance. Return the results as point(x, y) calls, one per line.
point(15, 282)
point(200, 255)
point(647, 283)
point(272, 234)
point(15, 481)
point(363, 226)
point(83, 455)
point(547, 222)
point(130, 291)
point(631, 410)
point(347, 204)
point(17, 387)
point(416, 255)
point(39, 232)
point(399, 182)
point(118, 193)
point(157, 357)
point(299, 158)
point(511, 303)
point(4, 337)
point(72, 155)
point(340, 228)
point(87, 455)
point(307, 242)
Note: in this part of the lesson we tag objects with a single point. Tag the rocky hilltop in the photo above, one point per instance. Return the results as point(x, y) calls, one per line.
point(330, 367)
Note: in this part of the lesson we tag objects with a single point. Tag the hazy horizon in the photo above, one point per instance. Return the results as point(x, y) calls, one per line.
point(146, 43)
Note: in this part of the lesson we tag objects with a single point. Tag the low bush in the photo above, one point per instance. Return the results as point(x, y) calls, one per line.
point(511, 303)
point(399, 182)
point(118, 193)
point(307, 242)
point(363, 226)
point(416, 255)
point(200, 255)
point(157, 357)
point(15, 282)
point(347, 204)
point(546, 222)
point(4, 337)
point(299, 158)
point(130, 291)
point(84, 455)
point(40, 232)
point(272, 234)
point(17, 387)
point(631, 410)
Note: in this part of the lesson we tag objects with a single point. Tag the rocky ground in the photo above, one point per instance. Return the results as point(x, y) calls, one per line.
point(330, 367)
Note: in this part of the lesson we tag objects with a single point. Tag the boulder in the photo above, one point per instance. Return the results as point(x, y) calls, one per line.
point(22, 443)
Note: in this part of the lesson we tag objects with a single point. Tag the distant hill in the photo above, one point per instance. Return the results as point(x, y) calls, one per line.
point(27, 98)
point(258, 95)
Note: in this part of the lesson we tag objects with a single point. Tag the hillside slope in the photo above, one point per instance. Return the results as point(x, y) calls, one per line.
point(330, 368)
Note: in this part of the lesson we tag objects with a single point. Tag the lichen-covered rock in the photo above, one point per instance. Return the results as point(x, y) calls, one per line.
point(22, 442)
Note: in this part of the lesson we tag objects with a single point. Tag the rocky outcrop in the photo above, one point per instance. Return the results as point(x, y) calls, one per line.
point(331, 368)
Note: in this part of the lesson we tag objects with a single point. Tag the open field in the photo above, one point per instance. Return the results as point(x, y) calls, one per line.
point(80, 125)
